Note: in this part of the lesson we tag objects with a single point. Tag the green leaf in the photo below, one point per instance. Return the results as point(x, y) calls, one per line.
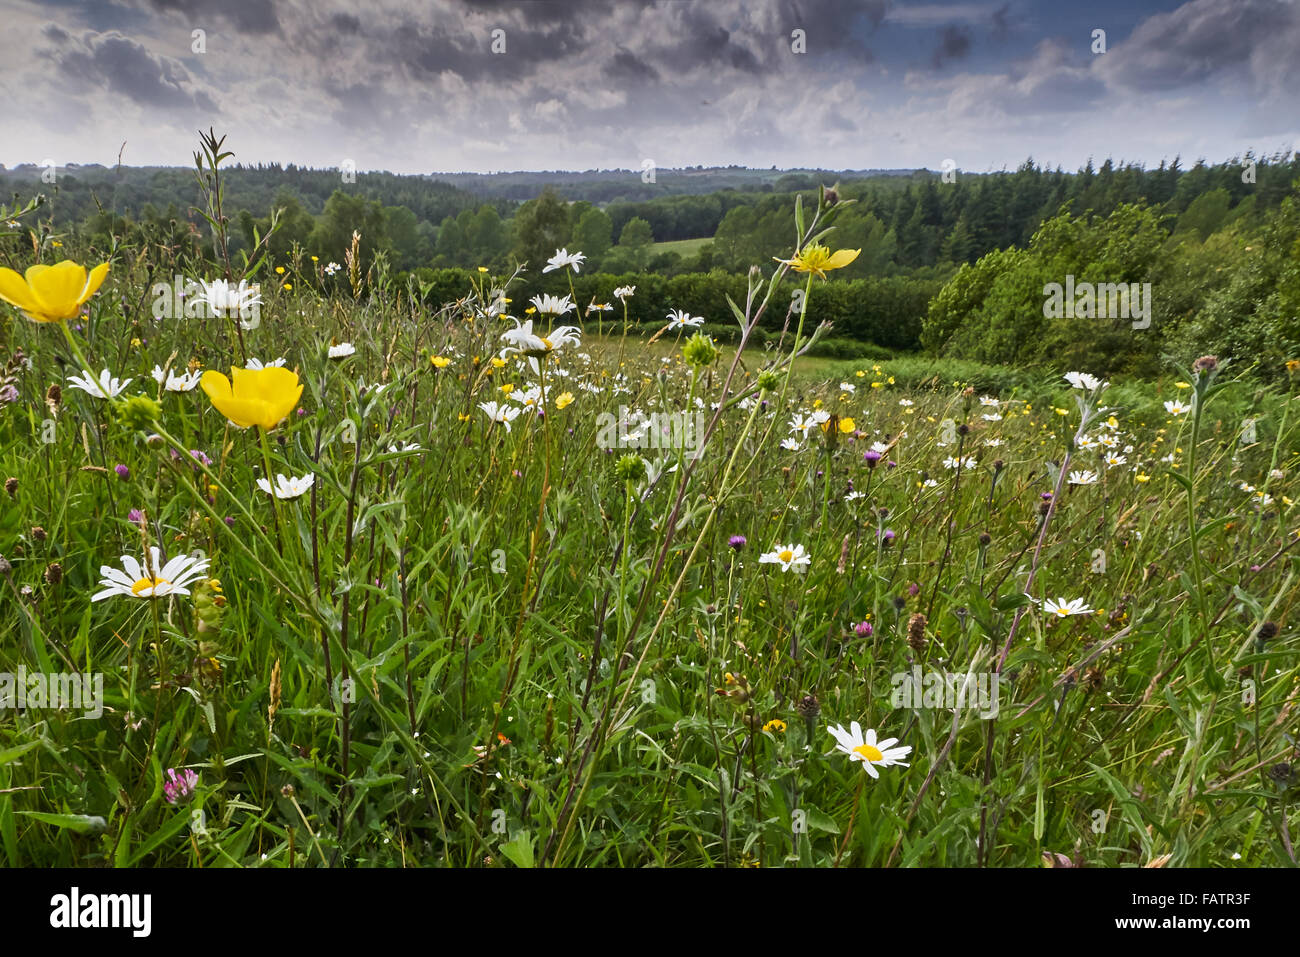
point(520, 849)
point(12, 754)
point(80, 823)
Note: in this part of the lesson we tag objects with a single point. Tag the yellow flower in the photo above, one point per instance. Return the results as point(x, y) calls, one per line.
point(819, 260)
point(1293, 365)
point(315, 259)
point(440, 362)
point(776, 725)
point(1182, 385)
point(563, 400)
point(498, 363)
point(508, 388)
point(257, 396)
point(1142, 477)
point(279, 270)
point(288, 285)
point(51, 293)
point(847, 425)
point(482, 269)
point(860, 373)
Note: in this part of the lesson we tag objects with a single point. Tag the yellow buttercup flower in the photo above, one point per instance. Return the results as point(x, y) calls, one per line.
point(847, 425)
point(256, 397)
point(819, 260)
point(564, 400)
point(440, 362)
point(51, 293)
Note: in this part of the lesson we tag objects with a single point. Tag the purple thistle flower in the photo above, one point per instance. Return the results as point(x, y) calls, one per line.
point(737, 542)
point(887, 536)
point(180, 786)
point(122, 471)
point(198, 456)
point(871, 457)
point(229, 520)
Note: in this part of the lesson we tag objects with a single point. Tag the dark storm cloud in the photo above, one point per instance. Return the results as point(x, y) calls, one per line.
point(954, 43)
point(120, 65)
point(246, 16)
point(1203, 40)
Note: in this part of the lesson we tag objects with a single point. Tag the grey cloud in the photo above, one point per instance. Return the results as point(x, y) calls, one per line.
point(247, 16)
point(1201, 40)
point(125, 67)
point(954, 44)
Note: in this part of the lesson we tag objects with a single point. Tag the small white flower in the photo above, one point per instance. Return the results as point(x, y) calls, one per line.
point(287, 488)
point(680, 319)
point(1082, 380)
point(991, 417)
point(342, 350)
point(848, 387)
point(155, 580)
point(258, 364)
point(791, 445)
point(965, 462)
point(332, 268)
point(549, 305)
point(906, 403)
point(1176, 407)
point(867, 749)
point(1083, 477)
point(787, 556)
point(185, 382)
point(106, 387)
point(1064, 609)
point(503, 414)
point(624, 292)
point(564, 258)
point(988, 400)
point(405, 447)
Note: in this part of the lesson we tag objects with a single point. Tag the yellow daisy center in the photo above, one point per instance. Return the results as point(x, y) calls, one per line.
point(786, 555)
point(1063, 612)
point(549, 347)
point(869, 752)
point(145, 583)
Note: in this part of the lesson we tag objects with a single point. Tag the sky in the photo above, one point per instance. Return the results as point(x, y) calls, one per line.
point(417, 86)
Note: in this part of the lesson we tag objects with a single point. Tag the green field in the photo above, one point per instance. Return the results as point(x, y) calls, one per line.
point(683, 247)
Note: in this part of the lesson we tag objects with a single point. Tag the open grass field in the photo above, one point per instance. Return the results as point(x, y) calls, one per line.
point(367, 582)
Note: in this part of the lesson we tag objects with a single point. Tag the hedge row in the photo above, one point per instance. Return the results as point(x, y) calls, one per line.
point(886, 312)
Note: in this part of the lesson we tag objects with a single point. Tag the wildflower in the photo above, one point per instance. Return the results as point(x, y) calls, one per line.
point(699, 351)
point(863, 629)
point(122, 471)
point(564, 400)
point(258, 364)
point(185, 382)
point(502, 414)
point(106, 387)
point(965, 462)
point(623, 293)
point(440, 362)
point(867, 749)
point(791, 445)
point(787, 556)
point(819, 260)
point(135, 516)
point(179, 787)
point(1177, 407)
point(1082, 380)
point(737, 542)
point(287, 488)
point(263, 396)
point(332, 268)
point(154, 581)
point(871, 457)
point(561, 259)
point(549, 305)
point(342, 350)
point(680, 319)
point(776, 726)
point(226, 299)
point(51, 293)
point(1064, 609)
point(1083, 477)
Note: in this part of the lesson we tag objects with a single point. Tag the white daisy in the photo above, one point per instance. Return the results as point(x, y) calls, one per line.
point(287, 488)
point(549, 305)
point(342, 350)
point(680, 319)
point(106, 387)
point(504, 414)
point(1082, 380)
point(227, 299)
point(867, 749)
point(787, 556)
point(1176, 407)
point(1064, 609)
point(185, 382)
point(564, 258)
point(156, 580)
point(1083, 477)
point(258, 364)
point(624, 292)
point(791, 445)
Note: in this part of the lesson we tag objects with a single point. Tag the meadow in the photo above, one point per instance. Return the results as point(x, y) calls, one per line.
point(410, 605)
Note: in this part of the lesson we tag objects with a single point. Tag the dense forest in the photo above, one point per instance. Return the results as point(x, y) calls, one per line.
point(953, 263)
